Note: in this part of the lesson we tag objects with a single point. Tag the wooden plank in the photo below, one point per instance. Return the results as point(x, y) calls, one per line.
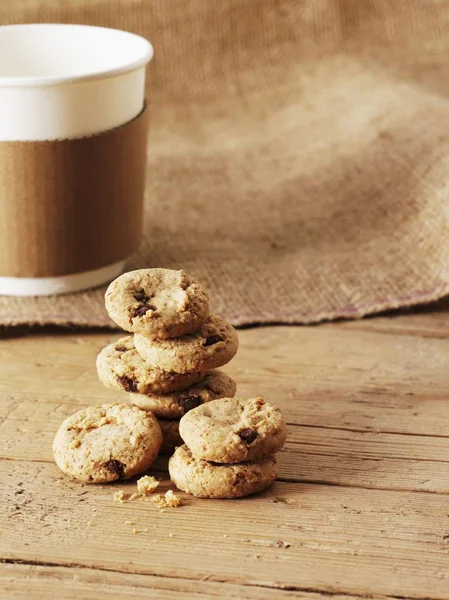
point(368, 460)
point(324, 538)
point(367, 404)
point(329, 376)
point(30, 582)
point(314, 454)
point(341, 441)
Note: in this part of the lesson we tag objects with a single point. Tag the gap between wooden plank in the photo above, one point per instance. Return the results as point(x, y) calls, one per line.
point(398, 540)
point(356, 430)
point(333, 455)
point(158, 470)
point(323, 592)
point(29, 572)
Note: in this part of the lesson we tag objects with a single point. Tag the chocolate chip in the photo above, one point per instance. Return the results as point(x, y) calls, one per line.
point(248, 435)
point(141, 296)
point(141, 310)
point(143, 307)
point(128, 383)
point(188, 403)
point(213, 339)
point(121, 349)
point(115, 466)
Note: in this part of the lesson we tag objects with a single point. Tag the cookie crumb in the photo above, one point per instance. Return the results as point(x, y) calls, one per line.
point(224, 535)
point(89, 523)
point(158, 500)
point(129, 523)
point(119, 497)
point(146, 485)
point(170, 500)
point(170, 534)
point(135, 531)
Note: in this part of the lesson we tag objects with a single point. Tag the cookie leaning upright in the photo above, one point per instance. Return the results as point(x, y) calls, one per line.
point(157, 303)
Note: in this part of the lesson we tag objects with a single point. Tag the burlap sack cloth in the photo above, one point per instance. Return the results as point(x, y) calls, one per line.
point(299, 153)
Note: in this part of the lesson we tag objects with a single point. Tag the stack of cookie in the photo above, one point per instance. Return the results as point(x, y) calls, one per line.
point(170, 363)
point(229, 450)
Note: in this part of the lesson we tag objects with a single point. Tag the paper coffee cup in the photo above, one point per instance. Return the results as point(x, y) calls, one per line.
point(61, 82)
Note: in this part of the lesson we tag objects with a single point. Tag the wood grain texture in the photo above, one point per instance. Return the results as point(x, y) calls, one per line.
point(360, 509)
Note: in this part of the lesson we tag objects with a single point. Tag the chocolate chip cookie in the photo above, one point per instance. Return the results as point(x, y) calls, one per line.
point(105, 443)
point(174, 405)
point(212, 346)
point(157, 303)
point(232, 430)
point(208, 480)
point(121, 367)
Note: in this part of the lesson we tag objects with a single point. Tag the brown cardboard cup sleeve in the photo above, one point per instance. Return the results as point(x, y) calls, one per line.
point(73, 205)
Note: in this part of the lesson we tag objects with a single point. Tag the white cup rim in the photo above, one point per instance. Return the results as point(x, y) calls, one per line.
point(22, 81)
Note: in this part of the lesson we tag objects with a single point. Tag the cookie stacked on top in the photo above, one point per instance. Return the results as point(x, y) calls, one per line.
point(170, 364)
point(229, 449)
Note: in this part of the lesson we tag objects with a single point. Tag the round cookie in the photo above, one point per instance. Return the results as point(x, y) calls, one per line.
point(105, 443)
point(215, 384)
point(121, 367)
point(212, 346)
point(207, 480)
point(232, 430)
point(170, 434)
point(157, 303)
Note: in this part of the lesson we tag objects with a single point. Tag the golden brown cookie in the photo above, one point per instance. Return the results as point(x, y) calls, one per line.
point(121, 367)
point(174, 405)
point(157, 303)
point(209, 480)
point(212, 346)
point(232, 430)
point(100, 444)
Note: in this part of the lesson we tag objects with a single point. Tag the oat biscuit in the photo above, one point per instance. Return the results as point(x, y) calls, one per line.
point(100, 444)
point(212, 346)
point(208, 480)
point(170, 436)
point(157, 303)
point(174, 405)
point(121, 367)
point(232, 430)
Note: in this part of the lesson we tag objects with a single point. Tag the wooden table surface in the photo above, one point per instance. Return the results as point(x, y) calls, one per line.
point(361, 508)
